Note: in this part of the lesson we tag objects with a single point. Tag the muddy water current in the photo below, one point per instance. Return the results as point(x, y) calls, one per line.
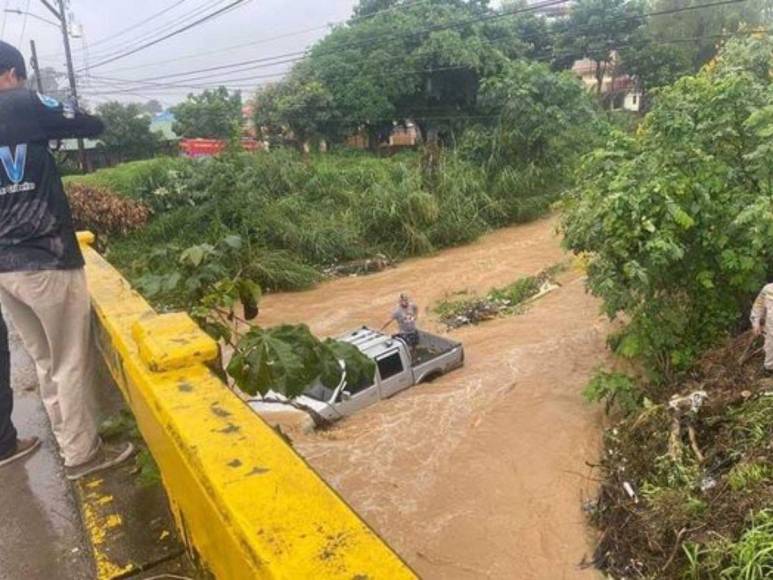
point(482, 473)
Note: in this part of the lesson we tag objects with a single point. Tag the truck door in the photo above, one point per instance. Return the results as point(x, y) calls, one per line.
point(352, 398)
point(394, 371)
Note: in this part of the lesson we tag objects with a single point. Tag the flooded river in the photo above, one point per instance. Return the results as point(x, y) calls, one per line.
point(480, 474)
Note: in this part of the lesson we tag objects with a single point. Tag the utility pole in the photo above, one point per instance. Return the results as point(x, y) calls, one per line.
point(61, 16)
point(36, 66)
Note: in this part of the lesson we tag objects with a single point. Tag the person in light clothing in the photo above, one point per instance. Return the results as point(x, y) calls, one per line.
point(762, 322)
point(406, 315)
point(42, 281)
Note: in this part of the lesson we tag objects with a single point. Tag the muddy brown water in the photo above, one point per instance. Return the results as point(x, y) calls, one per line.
point(482, 473)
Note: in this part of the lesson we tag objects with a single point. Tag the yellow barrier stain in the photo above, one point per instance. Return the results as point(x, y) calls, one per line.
point(241, 497)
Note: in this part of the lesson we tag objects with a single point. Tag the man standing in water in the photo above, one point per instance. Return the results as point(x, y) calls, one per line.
point(42, 281)
point(406, 315)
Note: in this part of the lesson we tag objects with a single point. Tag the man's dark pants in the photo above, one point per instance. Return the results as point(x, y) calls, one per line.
point(7, 430)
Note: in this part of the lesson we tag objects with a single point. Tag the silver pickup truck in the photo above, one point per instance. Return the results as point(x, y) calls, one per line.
point(396, 370)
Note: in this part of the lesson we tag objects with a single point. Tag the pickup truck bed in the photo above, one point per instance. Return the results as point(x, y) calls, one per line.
point(429, 352)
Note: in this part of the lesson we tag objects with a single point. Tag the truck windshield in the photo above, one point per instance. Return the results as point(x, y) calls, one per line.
point(319, 392)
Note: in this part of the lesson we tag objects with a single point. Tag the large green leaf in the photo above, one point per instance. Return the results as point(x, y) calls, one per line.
point(287, 359)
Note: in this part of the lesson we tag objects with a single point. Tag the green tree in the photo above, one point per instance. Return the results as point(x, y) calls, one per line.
point(213, 114)
point(655, 60)
point(127, 133)
point(423, 61)
point(595, 29)
point(541, 122)
point(152, 107)
point(300, 105)
point(367, 8)
point(677, 220)
point(704, 27)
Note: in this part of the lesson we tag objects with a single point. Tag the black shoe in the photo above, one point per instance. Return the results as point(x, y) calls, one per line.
point(23, 448)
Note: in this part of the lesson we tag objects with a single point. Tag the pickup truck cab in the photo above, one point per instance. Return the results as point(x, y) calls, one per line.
point(396, 370)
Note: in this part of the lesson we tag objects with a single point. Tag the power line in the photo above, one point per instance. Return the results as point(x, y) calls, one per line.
point(254, 64)
point(198, 54)
point(222, 82)
point(137, 24)
point(174, 33)
point(163, 28)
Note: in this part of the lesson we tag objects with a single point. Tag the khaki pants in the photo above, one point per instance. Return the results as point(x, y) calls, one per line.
point(51, 311)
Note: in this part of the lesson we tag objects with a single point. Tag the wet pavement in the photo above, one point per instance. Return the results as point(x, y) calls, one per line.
point(41, 534)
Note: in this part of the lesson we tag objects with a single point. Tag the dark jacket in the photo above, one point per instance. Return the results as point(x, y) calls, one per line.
point(36, 231)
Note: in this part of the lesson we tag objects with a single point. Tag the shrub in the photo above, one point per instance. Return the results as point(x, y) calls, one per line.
point(137, 179)
point(614, 388)
point(748, 475)
point(103, 212)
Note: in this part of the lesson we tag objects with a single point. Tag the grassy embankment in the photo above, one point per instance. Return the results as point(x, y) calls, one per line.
point(298, 215)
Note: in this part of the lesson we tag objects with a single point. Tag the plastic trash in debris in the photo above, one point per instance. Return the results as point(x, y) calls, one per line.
point(631, 493)
point(692, 402)
point(708, 483)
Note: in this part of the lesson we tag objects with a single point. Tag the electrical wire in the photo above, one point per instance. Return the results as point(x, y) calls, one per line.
point(198, 54)
point(5, 18)
point(137, 24)
point(401, 6)
point(156, 31)
point(130, 42)
point(198, 22)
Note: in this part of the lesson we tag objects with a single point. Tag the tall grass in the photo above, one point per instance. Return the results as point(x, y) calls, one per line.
point(302, 213)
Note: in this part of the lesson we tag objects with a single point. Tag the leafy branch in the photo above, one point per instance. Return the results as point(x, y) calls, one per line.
point(285, 359)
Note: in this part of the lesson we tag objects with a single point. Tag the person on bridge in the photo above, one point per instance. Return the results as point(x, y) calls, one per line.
point(762, 322)
point(42, 281)
point(406, 315)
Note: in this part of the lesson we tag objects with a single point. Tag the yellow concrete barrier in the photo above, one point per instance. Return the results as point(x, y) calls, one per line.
point(247, 504)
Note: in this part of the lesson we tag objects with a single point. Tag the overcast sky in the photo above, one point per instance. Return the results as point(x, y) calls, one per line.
point(257, 22)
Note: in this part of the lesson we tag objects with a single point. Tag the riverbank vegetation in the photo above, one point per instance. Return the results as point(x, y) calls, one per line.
point(676, 222)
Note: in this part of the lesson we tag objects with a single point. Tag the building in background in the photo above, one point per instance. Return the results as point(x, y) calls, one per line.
point(618, 92)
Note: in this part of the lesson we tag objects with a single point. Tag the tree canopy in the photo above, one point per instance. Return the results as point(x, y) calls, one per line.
point(423, 61)
point(213, 114)
point(426, 61)
point(127, 133)
point(596, 29)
